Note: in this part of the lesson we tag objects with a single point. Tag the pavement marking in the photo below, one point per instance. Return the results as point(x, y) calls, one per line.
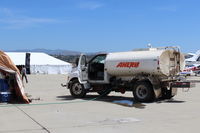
point(44, 128)
point(110, 122)
point(119, 121)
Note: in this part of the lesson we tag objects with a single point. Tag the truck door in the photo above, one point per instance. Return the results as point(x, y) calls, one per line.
point(82, 69)
point(96, 68)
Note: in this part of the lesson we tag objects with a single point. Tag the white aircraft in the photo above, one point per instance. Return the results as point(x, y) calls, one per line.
point(194, 58)
point(192, 62)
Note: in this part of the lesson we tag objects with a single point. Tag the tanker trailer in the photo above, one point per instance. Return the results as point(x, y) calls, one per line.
point(160, 63)
point(149, 74)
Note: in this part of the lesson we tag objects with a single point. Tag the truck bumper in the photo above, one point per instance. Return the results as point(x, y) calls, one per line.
point(182, 84)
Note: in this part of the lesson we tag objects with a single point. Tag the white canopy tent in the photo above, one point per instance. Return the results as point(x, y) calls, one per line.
point(41, 63)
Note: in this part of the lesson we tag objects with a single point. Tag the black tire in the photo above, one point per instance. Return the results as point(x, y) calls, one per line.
point(166, 94)
point(77, 89)
point(143, 91)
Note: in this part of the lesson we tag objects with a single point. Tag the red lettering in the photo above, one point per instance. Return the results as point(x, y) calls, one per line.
point(120, 64)
point(128, 64)
point(132, 64)
point(123, 64)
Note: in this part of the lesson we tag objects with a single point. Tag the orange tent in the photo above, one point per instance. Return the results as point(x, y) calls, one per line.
point(8, 67)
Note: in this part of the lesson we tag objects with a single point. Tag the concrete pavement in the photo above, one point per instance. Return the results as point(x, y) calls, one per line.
point(55, 111)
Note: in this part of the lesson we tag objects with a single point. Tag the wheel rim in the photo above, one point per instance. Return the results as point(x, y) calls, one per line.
point(77, 89)
point(141, 91)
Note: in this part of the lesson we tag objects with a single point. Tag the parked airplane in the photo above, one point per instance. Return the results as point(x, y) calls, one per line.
point(192, 64)
point(194, 58)
point(191, 70)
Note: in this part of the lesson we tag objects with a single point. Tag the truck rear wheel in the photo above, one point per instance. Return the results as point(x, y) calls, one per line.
point(166, 94)
point(77, 89)
point(143, 91)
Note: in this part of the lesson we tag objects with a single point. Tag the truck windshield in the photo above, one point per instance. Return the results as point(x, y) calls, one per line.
point(99, 59)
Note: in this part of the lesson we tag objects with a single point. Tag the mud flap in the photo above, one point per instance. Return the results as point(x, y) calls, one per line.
point(157, 92)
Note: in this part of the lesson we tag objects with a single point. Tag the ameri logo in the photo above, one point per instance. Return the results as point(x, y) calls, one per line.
point(128, 64)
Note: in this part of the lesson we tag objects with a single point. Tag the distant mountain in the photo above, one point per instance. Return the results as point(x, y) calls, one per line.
point(50, 52)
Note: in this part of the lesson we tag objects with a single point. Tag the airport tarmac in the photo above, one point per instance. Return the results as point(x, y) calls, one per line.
point(53, 110)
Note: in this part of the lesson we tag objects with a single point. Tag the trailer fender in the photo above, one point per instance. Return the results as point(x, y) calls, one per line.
point(154, 81)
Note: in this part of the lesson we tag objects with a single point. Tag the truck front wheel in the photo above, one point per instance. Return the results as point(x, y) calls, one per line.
point(77, 89)
point(143, 91)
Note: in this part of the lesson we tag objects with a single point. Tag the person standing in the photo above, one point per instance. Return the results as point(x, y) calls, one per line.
point(23, 73)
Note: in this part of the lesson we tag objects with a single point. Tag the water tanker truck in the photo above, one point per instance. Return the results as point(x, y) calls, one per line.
point(150, 74)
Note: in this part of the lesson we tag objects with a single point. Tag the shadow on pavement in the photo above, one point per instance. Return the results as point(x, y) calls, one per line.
point(169, 101)
point(119, 100)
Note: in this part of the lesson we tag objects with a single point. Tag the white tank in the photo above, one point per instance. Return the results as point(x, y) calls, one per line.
point(155, 62)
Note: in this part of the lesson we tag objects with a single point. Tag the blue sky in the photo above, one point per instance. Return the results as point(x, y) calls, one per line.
point(99, 25)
